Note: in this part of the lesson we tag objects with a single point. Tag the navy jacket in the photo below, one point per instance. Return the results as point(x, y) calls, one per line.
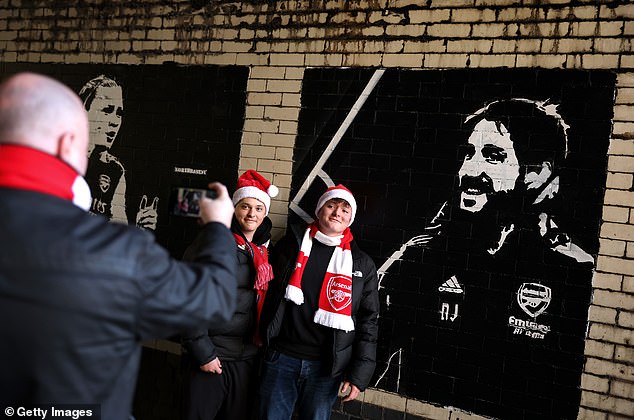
point(78, 295)
point(354, 352)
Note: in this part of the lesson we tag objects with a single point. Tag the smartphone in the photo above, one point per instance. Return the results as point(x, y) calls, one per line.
point(186, 201)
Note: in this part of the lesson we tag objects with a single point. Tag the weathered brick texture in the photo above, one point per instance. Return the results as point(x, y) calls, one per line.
point(277, 40)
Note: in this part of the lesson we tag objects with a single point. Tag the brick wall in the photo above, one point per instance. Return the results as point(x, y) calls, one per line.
point(278, 40)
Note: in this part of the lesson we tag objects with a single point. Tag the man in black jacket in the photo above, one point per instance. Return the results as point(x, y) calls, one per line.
point(79, 294)
point(222, 362)
point(321, 313)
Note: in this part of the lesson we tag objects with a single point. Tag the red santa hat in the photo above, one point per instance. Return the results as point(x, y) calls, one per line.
point(253, 185)
point(338, 191)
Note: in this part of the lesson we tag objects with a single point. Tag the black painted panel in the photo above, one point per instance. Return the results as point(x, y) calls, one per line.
point(488, 311)
point(178, 126)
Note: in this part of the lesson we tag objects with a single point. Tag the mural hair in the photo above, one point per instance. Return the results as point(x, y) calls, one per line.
point(89, 90)
point(538, 131)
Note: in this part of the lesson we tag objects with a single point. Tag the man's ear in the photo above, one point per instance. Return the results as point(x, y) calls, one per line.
point(69, 151)
point(64, 146)
point(537, 175)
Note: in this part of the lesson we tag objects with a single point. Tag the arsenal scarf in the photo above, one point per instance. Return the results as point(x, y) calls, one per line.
point(263, 274)
point(335, 299)
point(25, 168)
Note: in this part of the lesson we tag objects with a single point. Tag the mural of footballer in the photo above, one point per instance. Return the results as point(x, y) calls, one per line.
point(103, 100)
point(503, 291)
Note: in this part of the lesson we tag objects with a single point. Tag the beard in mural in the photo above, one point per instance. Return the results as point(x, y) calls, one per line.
point(103, 100)
point(500, 315)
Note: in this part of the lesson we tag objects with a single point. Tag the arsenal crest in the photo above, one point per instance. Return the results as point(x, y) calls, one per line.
point(104, 182)
point(533, 298)
point(339, 292)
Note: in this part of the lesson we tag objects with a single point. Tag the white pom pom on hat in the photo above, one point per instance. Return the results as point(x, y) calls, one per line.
point(253, 185)
point(338, 191)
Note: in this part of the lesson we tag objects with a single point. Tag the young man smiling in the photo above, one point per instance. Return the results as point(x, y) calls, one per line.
point(322, 310)
point(224, 359)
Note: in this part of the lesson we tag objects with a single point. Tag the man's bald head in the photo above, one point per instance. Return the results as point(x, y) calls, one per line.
point(40, 112)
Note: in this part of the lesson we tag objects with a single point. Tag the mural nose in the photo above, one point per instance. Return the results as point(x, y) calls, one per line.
point(470, 168)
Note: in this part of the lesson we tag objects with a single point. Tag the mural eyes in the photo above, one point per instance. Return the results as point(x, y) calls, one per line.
point(111, 109)
point(493, 154)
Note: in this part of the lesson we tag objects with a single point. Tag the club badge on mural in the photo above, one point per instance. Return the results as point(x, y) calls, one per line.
point(339, 292)
point(533, 299)
point(104, 182)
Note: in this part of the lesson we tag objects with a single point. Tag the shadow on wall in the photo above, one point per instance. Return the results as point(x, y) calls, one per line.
point(159, 388)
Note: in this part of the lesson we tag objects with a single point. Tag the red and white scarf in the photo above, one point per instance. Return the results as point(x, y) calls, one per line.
point(263, 275)
point(335, 299)
point(30, 169)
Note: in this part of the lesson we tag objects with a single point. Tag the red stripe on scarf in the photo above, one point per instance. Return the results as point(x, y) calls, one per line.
point(30, 169)
point(263, 275)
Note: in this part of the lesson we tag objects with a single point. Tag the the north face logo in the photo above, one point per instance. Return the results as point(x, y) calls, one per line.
point(339, 292)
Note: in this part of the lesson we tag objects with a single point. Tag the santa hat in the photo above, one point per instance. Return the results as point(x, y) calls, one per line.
point(338, 191)
point(253, 185)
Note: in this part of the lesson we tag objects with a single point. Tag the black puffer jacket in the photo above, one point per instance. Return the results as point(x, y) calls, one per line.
point(79, 294)
point(232, 340)
point(354, 352)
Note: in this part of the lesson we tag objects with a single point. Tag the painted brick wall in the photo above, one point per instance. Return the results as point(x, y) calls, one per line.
point(278, 40)
point(452, 325)
point(159, 128)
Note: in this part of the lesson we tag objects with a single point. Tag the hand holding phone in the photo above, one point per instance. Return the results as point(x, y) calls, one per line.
point(219, 209)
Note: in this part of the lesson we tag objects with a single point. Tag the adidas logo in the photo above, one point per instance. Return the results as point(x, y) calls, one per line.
point(451, 286)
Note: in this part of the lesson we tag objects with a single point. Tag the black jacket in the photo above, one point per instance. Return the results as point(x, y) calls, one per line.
point(78, 295)
point(353, 353)
point(232, 340)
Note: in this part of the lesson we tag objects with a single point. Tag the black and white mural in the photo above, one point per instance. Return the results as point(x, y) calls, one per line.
point(479, 198)
point(155, 128)
point(103, 100)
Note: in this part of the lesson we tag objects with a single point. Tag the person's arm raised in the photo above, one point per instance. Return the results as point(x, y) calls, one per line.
point(199, 291)
point(219, 209)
